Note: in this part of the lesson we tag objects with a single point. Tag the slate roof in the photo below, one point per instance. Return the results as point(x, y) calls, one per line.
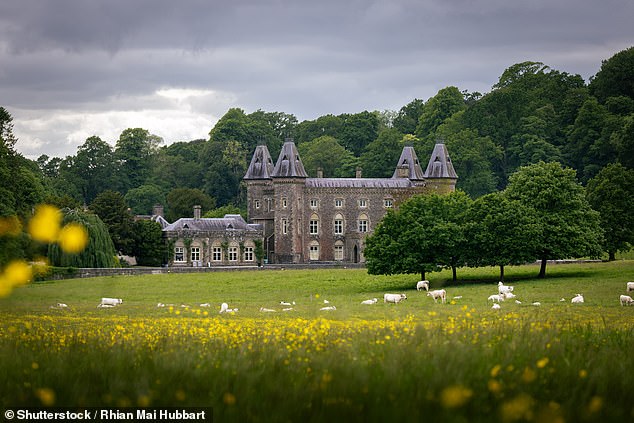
point(230, 221)
point(261, 166)
point(408, 158)
point(358, 183)
point(289, 165)
point(440, 165)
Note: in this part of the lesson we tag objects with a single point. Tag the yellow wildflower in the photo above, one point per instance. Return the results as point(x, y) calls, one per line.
point(73, 238)
point(455, 396)
point(44, 225)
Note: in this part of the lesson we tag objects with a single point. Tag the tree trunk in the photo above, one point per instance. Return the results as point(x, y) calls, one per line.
point(422, 275)
point(453, 269)
point(611, 256)
point(542, 269)
point(502, 272)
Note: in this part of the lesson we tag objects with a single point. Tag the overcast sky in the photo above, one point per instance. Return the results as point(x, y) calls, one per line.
point(70, 69)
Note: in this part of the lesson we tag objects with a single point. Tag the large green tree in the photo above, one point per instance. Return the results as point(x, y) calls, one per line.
point(112, 209)
point(616, 77)
point(425, 234)
point(567, 225)
point(148, 248)
point(611, 193)
point(135, 151)
point(439, 108)
point(327, 154)
point(181, 202)
point(379, 158)
point(93, 166)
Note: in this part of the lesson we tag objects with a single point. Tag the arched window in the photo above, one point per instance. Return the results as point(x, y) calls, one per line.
point(314, 251)
point(313, 225)
point(338, 224)
point(364, 223)
point(339, 250)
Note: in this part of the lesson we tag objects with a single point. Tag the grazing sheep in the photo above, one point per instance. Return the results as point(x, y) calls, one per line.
point(626, 300)
point(537, 303)
point(370, 302)
point(518, 302)
point(496, 306)
point(224, 307)
point(111, 302)
point(267, 310)
point(630, 286)
point(329, 308)
point(509, 295)
point(287, 304)
point(62, 305)
point(205, 305)
point(496, 297)
point(578, 299)
point(394, 298)
point(422, 285)
point(504, 289)
point(438, 293)
point(287, 309)
point(160, 305)
point(563, 300)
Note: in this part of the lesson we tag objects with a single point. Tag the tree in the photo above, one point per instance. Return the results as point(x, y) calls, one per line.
point(611, 193)
point(499, 232)
point(407, 118)
point(379, 158)
point(112, 209)
point(567, 226)
point(425, 234)
point(226, 164)
point(143, 199)
point(324, 153)
point(181, 202)
point(224, 210)
point(615, 78)
point(99, 252)
point(135, 151)
point(308, 130)
point(358, 131)
point(94, 165)
point(439, 108)
point(149, 248)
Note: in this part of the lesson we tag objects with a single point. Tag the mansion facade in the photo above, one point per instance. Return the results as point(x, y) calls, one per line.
point(297, 219)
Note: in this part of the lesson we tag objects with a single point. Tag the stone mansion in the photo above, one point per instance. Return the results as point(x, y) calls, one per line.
point(299, 219)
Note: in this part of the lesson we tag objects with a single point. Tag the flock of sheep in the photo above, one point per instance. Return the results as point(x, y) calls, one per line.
point(505, 292)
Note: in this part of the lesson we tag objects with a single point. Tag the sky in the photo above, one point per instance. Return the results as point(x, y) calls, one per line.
point(71, 69)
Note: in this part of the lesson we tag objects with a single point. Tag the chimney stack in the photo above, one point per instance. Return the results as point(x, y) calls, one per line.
point(358, 172)
point(197, 212)
point(320, 172)
point(157, 210)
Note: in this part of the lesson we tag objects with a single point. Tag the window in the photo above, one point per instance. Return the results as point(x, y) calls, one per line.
point(284, 202)
point(233, 253)
point(216, 254)
point(284, 226)
point(314, 250)
point(257, 204)
point(339, 202)
point(179, 254)
point(363, 203)
point(339, 251)
point(388, 203)
point(314, 203)
point(338, 224)
point(195, 253)
point(313, 225)
point(363, 223)
point(248, 253)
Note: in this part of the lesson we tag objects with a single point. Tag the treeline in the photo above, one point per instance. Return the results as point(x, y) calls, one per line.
point(532, 114)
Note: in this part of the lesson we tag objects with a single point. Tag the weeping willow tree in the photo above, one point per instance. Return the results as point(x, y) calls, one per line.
point(99, 251)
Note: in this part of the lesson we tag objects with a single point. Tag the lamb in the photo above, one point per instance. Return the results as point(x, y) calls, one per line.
point(110, 302)
point(630, 286)
point(626, 300)
point(578, 299)
point(370, 302)
point(537, 304)
point(422, 285)
point(438, 293)
point(62, 305)
point(496, 297)
point(495, 306)
point(224, 308)
point(394, 298)
point(504, 289)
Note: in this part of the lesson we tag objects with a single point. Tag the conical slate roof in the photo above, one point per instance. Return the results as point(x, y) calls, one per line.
point(408, 158)
point(261, 166)
point(289, 165)
point(440, 165)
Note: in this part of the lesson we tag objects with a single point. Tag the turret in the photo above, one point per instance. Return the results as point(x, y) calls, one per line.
point(440, 174)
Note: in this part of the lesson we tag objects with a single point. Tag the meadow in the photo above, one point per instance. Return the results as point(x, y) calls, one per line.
point(413, 361)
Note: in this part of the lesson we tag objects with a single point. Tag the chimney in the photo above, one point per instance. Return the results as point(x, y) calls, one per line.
point(358, 172)
point(320, 172)
point(197, 212)
point(157, 210)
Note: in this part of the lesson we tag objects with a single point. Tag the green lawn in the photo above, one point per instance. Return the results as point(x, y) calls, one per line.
point(414, 361)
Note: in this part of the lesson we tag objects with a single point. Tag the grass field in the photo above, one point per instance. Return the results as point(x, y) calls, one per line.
point(414, 361)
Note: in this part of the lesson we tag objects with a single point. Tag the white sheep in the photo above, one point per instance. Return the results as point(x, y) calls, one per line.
point(329, 308)
point(578, 299)
point(537, 304)
point(626, 300)
point(224, 308)
point(496, 297)
point(370, 302)
point(205, 305)
point(62, 305)
point(394, 298)
point(422, 285)
point(438, 293)
point(111, 302)
point(267, 310)
point(495, 306)
point(287, 304)
point(630, 286)
point(504, 289)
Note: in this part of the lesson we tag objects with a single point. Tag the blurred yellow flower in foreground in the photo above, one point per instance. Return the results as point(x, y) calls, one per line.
point(73, 238)
point(45, 223)
point(455, 396)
